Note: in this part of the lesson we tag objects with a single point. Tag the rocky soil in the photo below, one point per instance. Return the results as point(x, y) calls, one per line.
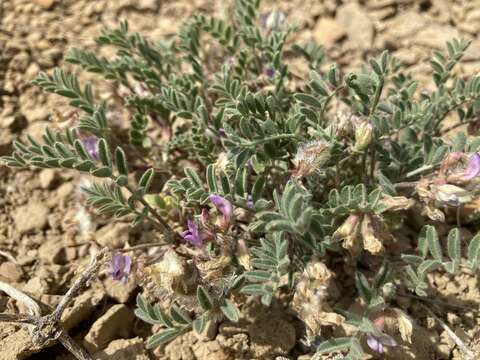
point(47, 235)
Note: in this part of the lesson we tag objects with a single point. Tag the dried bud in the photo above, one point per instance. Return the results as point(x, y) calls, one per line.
point(174, 274)
point(345, 124)
point(452, 195)
point(371, 243)
point(363, 136)
point(397, 203)
point(243, 254)
point(405, 325)
point(349, 232)
point(310, 299)
point(347, 228)
point(215, 269)
point(433, 213)
point(311, 157)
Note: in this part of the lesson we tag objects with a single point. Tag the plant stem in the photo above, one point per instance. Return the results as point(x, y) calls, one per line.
point(163, 225)
point(267, 139)
point(327, 101)
point(419, 170)
point(453, 127)
point(378, 93)
point(142, 246)
point(372, 164)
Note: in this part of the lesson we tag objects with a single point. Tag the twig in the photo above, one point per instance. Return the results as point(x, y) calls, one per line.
point(469, 355)
point(48, 328)
point(143, 246)
point(8, 256)
point(32, 306)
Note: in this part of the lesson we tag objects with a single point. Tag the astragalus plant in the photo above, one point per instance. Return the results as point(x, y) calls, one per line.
point(324, 188)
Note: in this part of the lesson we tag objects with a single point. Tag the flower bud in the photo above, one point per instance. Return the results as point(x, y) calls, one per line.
point(371, 243)
point(452, 195)
point(363, 136)
point(310, 157)
point(397, 203)
point(273, 20)
point(389, 290)
point(345, 124)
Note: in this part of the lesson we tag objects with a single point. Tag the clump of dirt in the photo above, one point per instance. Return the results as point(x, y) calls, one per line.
point(47, 234)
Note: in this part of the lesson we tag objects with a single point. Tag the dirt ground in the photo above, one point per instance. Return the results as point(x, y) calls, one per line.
point(47, 234)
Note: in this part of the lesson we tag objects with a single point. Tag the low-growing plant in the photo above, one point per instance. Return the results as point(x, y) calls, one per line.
point(281, 184)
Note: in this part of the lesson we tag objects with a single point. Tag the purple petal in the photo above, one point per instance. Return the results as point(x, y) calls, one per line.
point(270, 72)
point(225, 207)
point(121, 266)
point(374, 344)
point(222, 204)
point(192, 235)
point(250, 204)
point(91, 145)
point(473, 168)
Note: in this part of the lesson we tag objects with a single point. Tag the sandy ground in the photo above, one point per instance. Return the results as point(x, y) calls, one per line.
point(40, 211)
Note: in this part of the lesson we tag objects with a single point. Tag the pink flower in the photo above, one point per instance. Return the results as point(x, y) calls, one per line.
point(473, 168)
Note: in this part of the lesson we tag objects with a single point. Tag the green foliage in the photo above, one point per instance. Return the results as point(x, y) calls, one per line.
point(299, 175)
point(271, 263)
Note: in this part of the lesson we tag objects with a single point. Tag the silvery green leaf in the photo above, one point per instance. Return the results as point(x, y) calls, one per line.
point(102, 172)
point(433, 242)
point(230, 310)
point(179, 315)
point(473, 252)
point(104, 153)
point(363, 287)
point(121, 161)
point(334, 344)
point(454, 249)
point(162, 337)
point(204, 298)
point(146, 180)
point(199, 323)
point(211, 179)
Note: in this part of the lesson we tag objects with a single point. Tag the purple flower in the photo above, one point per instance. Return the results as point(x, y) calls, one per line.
point(91, 145)
point(250, 204)
point(121, 265)
point(225, 207)
point(192, 235)
point(377, 343)
point(270, 72)
point(473, 168)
